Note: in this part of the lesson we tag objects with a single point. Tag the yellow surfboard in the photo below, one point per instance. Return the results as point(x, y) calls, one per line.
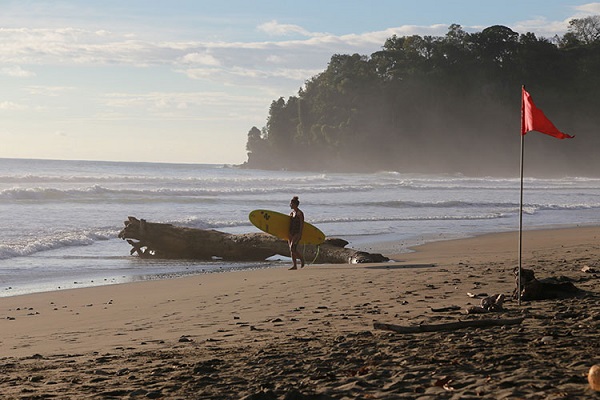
point(278, 224)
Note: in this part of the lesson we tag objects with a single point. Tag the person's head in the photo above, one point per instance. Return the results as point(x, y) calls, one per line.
point(294, 202)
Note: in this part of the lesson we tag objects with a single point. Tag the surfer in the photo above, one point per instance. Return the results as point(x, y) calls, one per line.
point(296, 225)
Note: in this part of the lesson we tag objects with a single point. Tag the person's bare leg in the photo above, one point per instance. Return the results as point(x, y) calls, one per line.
point(293, 254)
point(294, 261)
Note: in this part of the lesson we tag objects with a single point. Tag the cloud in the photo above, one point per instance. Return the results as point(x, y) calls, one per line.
point(172, 99)
point(200, 58)
point(274, 28)
point(11, 106)
point(286, 62)
point(75, 46)
point(588, 9)
point(49, 91)
point(16, 71)
point(541, 27)
point(180, 105)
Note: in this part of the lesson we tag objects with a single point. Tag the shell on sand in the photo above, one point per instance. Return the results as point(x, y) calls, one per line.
point(594, 377)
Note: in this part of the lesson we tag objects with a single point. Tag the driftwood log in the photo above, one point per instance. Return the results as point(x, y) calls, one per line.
point(450, 326)
point(157, 240)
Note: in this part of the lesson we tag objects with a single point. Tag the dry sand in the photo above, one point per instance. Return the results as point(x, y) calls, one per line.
point(308, 334)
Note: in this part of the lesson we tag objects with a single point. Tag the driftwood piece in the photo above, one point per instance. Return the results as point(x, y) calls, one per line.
point(157, 240)
point(444, 309)
point(588, 269)
point(450, 326)
point(488, 304)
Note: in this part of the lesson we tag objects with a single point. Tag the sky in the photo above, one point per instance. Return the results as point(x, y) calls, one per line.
point(183, 81)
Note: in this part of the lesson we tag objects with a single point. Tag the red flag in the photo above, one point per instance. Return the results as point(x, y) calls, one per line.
point(533, 119)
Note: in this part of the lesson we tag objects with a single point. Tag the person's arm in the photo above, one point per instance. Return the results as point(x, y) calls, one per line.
point(290, 234)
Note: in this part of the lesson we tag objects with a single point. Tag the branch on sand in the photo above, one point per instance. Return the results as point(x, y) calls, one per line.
point(451, 326)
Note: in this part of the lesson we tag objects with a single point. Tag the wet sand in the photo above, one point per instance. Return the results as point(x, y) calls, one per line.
point(309, 334)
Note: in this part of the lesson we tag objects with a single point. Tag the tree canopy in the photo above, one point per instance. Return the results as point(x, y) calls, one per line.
point(442, 104)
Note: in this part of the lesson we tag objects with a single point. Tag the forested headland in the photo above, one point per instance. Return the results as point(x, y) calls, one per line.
point(447, 104)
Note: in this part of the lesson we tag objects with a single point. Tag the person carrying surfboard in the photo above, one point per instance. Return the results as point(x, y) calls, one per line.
point(295, 234)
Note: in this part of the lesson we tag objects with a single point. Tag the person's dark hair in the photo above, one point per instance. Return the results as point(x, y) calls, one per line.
point(295, 200)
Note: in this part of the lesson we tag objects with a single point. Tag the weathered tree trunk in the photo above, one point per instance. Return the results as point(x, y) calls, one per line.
point(156, 240)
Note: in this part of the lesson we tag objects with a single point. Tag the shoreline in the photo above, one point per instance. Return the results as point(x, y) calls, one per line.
point(395, 250)
point(311, 331)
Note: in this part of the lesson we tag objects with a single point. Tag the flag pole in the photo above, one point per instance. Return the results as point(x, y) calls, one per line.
point(521, 204)
point(532, 119)
point(521, 223)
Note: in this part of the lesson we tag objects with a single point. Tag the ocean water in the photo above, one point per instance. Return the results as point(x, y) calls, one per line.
point(60, 219)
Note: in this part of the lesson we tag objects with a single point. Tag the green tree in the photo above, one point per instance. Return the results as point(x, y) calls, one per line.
point(436, 104)
point(585, 30)
point(255, 140)
point(257, 148)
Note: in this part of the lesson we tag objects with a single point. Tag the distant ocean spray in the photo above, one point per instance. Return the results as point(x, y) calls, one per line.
point(60, 219)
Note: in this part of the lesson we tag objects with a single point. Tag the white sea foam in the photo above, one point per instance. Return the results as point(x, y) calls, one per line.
point(28, 246)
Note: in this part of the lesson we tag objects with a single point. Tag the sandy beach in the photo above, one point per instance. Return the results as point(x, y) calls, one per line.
point(309, 334)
